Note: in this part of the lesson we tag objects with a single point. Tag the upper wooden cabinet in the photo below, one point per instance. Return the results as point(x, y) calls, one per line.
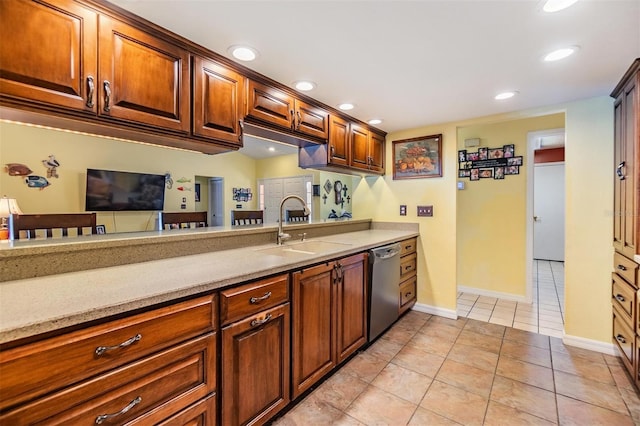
point(48, 53)
point(276, 107)
point(143, 79)
point(339, 137)
point(218, 101)
point(367, 149)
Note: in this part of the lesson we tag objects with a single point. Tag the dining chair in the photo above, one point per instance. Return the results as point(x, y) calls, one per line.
point(29, 226)
point(247, 217)
point(296, 216)
point(181, 220)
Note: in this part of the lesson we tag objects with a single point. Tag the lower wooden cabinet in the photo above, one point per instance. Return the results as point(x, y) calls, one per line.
point(329, 318)
point(202, 413)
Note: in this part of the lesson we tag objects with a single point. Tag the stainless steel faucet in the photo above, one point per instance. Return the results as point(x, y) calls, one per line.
point(282, 237)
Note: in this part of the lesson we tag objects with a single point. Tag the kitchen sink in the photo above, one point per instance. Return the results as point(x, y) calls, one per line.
point(304, 248)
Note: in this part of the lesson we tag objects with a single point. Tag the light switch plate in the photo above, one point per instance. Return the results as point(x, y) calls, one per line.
point(425, 211)
point(403, 210)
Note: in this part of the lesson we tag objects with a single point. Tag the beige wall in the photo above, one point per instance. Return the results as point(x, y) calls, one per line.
point(491, 219)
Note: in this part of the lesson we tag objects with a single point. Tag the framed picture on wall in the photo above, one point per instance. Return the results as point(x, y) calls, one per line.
point(197, 191)
point(417, 158)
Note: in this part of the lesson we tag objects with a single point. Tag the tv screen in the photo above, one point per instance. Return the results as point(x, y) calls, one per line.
point(109, 190)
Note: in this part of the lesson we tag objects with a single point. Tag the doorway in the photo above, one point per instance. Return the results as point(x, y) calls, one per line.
point(216, 201)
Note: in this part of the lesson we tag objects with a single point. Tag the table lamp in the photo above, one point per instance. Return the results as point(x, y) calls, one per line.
point(8, 206)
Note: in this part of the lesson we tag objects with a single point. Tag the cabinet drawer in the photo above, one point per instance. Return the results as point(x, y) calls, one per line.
point(202, 413)
point(408, 246)
point(407, 266)
point(627, 269)
point(35, 369)
point(624, 339)
point(624, 297)
point(239, 302)
point(407, 294)
point(155, 388)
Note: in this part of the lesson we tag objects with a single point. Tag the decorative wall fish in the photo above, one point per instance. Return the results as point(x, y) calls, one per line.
point(183, 188)
point(183, 180)
point(36, 182)
point(17, 169)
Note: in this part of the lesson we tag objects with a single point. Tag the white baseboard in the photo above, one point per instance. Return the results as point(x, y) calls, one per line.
point(434, 310)
point(592, 345)
point(496, 294)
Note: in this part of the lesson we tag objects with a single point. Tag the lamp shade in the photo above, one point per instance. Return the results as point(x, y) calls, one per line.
point(9, 206)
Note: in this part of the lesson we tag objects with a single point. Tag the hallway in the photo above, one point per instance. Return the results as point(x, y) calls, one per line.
point(545, 315)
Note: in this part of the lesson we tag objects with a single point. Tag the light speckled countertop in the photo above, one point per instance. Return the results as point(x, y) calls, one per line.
point(38, 305)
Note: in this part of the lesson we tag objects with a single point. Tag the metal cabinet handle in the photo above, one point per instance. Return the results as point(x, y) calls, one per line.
point(407, 295)
point(91, 87)
point(333, 151)
point(299, 120)
point(102, 417)
point(620, 298)
point(622, 267)
point(619, 170)
point(257, 322)
point(107, 96)
point(293, 120)
point(255, 300)
point(241, 125)
point(620, 338)
point(100, 350)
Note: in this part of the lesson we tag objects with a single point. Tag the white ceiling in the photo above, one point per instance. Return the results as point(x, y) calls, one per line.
point(421, 62)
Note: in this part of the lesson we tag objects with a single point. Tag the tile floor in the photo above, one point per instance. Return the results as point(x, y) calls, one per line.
point(429, 370)
point(545, 315)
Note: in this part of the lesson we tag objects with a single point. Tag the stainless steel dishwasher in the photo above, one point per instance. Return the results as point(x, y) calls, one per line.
point(383, 288)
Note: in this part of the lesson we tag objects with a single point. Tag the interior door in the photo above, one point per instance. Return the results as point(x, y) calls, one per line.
point(548, 207)
point(216, 201)
point(273, 190)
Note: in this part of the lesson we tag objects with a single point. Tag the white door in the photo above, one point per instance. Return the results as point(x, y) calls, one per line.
point(216, 202)
point(273, 192)
point(548, 208)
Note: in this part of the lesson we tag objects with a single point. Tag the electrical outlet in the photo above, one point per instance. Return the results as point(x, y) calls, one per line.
point(403, 210)
point(426, 211)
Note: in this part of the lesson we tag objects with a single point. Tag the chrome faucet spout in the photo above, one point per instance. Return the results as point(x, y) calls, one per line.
point(282, 237)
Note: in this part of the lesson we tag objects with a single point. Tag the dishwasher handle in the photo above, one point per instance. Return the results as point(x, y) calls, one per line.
point(387, 252)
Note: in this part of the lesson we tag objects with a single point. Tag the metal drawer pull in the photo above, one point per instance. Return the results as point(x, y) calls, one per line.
point(619, 171)
point(407, 247)
point(257, 322)
point(407, 295)
point(255, 300)
point(620, 338)
point(620, 298)
point(107, 95)
point(622, 267)
point(100, 350)
point(102, 417)
point(92, 87)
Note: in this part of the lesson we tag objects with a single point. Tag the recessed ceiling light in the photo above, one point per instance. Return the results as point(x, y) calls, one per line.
point(556, 5)
point(505, 95)
point(243, 53)
point(305, 86)
point(558, 54)
point(375, 121)
point(272, 149)
point(346, 107)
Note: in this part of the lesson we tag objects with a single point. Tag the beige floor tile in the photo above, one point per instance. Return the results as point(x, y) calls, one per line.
point(478, 317)
point(532, 321)
point(558, 346)
point(525, 327)
point(433, 344)
point(465, 377)
point(377, 407)
point(531, 374)
point(460, 322)
point(572, 412)
point(501, 415)
point(312, 411)
point(488, 343)
point(485, 328)
point(403, 383)
point(487, 299)
point(365, 366)
point(631, 398)
point(553, 325)
point(400, 334)
point(621, 376)
point(582, 367)
point(340, 389)
point(423, 417)
point(481, 311)
point(456, 404)
point(526, 353)
point(481, 305)
point(527, 338)
point(444, 331)
point(523, 397)
point(550, 332)
point(501, 321)
point(384, 348)
point(475, 357)
point(420, 361)
point(590, 391)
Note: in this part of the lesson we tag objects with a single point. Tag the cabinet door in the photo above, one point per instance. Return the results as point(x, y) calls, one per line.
point(376, 152)
point(143, 79)
point(270, 105)
point(338, 141)
point(255, 367)
point(618, 182)
point(313, 326)
point(48, 53)
point(630, 141)
point(359, 147)
point(218, 101)
point(311, 120)
point(351, 306)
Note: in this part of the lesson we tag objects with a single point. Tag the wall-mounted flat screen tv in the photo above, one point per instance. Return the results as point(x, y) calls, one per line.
point(109, 190)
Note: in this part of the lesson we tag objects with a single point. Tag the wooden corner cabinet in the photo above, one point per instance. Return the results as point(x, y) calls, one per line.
point(625, 284)
point(142, 369)
point(329, 318)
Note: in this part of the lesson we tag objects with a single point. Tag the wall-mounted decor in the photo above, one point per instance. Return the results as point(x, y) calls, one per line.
point(197, 192)
point(242, 194)
point(337, 189)
point(36, 182)
point(316, 190)
point(328, 186)
point(417, 157)
point(52, 166)
point(17, 169)
point(168, 180)
point(486, 163)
